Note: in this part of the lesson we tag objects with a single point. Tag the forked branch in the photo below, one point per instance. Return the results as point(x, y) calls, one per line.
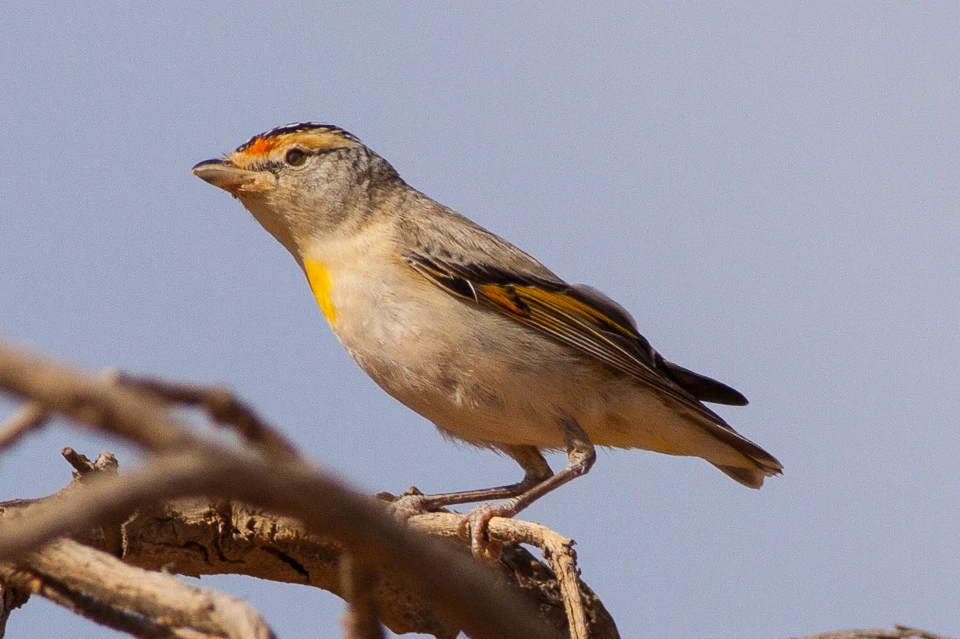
point(267, 474)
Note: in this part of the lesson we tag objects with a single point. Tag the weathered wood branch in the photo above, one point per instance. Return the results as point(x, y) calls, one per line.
point(140, 602)
point(898, 632)
point(191, 483)
point(196, 507)
point(198, 537)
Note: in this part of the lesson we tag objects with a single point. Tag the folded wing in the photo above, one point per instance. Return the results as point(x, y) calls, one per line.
point(580, 317)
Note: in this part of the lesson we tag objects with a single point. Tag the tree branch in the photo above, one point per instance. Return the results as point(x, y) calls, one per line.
point(25, 419)
point(223, 406)
point(140, 602)
point(898, 632)
point(358, 581)
point(460, 591)
point(199, 507)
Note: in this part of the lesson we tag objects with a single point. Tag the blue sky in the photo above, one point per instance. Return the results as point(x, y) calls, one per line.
point(771, 189)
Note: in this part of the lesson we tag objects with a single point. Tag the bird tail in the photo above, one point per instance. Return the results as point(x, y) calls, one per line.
point(749, 477)
point(761, 464)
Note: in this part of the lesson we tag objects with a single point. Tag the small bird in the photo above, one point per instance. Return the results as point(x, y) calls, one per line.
point(468, 330)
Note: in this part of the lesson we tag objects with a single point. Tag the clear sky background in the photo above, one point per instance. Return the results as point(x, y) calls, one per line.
point(771, 190)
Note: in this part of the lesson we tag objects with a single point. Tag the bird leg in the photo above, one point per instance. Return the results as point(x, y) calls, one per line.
point(537, 482)
point(529, 458)
point(580, 458)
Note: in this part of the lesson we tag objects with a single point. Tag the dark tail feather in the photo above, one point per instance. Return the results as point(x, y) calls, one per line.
point(700, 386)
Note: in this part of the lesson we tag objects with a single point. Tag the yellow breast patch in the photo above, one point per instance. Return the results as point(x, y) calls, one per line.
point(319, 280)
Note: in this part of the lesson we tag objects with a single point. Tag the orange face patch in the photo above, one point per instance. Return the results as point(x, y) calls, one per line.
point(265, 148)
point(260, 146)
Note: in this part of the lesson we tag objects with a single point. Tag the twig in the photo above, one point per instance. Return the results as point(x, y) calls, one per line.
point(143, 603)
point(563, 558)
point(84, 470)
point(91, 401)
point(557, 550)
point(361, 620)
point(223, 406)
point(898, 632)
point(909, 633)
point(11, 598)
point(25, 419)
point(82, 465)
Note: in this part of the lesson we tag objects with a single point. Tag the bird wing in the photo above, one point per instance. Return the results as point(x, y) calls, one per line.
point(577, 316)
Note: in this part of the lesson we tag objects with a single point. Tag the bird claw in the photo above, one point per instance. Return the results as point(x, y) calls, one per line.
point(474, 527)
point(410, 504)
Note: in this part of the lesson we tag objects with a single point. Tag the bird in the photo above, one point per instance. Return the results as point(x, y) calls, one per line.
point(470, 331)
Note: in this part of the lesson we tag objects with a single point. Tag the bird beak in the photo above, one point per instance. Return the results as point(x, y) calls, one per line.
point(231, 178)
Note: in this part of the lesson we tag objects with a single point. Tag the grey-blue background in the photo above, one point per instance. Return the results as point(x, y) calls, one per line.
point(772, 190)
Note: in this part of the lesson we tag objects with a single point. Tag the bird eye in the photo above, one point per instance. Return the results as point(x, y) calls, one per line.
point(295, 157)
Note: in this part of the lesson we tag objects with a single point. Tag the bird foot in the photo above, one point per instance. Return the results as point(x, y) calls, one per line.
point(407, 505)
point(474, 527)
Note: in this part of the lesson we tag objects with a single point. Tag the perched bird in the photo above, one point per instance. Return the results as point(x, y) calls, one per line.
point(468, 330)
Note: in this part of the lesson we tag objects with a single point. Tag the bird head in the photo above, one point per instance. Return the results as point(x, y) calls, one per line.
point(300, 180)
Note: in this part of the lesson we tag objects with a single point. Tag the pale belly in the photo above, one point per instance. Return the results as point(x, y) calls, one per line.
point(486, 379)
point(477, 376)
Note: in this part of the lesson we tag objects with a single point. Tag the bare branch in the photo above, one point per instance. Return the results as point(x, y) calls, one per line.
point(563, 558)
point(325, 516)
point(11, 598)
point(457, 586)
point(202, 537)
point(90, 401)
point(140, 602)
point(223, 406)
point(898, 632)
point(556, 549)
point(83, 467)
point(25, 419)
point(84, 470)
point(358, 580)
point(460, 590)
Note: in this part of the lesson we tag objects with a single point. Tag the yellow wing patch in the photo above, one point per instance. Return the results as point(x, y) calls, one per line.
point(573, 308)
point(570, 321)
point(319, 279)
point(497, 295)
